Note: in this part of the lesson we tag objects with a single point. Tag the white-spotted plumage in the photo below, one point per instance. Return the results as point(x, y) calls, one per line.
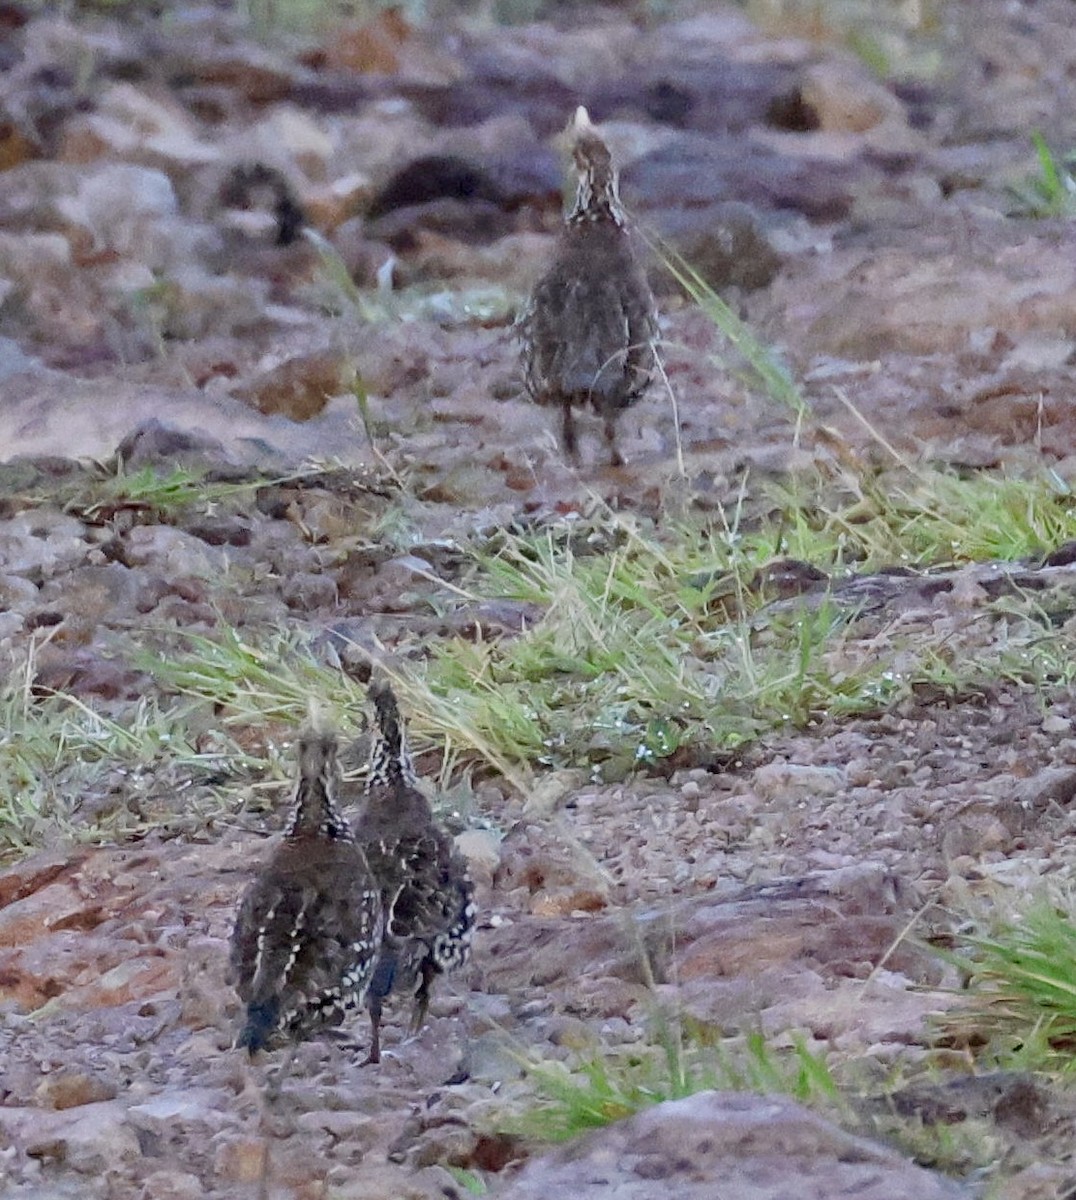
point(310, 925)
point(426, 893)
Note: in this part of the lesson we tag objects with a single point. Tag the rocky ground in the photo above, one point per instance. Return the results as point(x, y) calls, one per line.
point(149, 322)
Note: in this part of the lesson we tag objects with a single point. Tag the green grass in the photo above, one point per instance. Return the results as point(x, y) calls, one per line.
point(99, 492)
point(927, 518)
point(650, 644)
point(1051, 192)
point(605, 1085)
point(1020, 1009)
point(74, 772)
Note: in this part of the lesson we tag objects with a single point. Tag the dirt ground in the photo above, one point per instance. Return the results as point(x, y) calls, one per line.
point(861, 222)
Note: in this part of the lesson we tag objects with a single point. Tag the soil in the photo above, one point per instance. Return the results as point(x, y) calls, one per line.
point(157, 311)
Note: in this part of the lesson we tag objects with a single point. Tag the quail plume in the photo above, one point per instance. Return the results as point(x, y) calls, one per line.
point(310, 924)
point(589, 329)
point(426, 894)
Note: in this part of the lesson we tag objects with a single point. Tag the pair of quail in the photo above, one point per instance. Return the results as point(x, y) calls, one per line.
point(346, 915)
point(589, 329)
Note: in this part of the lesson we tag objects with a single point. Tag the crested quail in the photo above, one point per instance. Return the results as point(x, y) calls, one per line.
point(309, 926)
point(589, 328)
point(426, 894)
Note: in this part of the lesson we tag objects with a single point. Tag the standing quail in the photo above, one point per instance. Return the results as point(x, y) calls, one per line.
point(310, 924)
point(589, 328)
point(427, 896)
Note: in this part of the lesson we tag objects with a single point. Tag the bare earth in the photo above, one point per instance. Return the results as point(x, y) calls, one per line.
point(870, 244)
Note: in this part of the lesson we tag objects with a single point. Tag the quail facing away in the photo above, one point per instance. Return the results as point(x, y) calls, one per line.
point(427, 896)
point(310, 924)
point(589, 329)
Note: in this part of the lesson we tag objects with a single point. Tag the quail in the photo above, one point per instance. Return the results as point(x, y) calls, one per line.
point(589, 328)
point(310, 924)
point(426, 894)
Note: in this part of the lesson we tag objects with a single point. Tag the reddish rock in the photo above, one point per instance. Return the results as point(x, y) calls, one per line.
point(72, 1089)
point(54, 905)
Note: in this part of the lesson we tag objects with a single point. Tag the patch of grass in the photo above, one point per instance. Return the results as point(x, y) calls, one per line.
point(657, 644)
point(162, 494)
point(927, 518)
point(74, 772)
point(1051, 192)
point(470, 1181)
point(606, 1086)
point(955, 1149)
point(1021, 991)
point(633, 659)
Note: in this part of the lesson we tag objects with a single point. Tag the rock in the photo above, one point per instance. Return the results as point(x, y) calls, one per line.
point(333, 205)
point(26, 877)
point(33, 256)
point(193, 302)
point(13, 359)
point(366, 260)
point(307, 592)
point(90, 594)
point(552, 870)
point(694, 172)
point(291, 135)
point(725, 244)
point(300, 387)
point(551, 790)
point(36, 545)
point(512, 262)
point(96, 1140)
point(753, 1147)
point(470, 222)
point(72, 1089)
point(1052, 787)
point(50, 412)
point(139, 976)
point(792, 782)
point(129, 124)
point(179, 1114)
point(434, 177)
point(117, 205)
point(17, 594)
point(482, 850)
point(171, 552)
point(843, 98)
point(11, 623)
point(240, 1160)
point(156, 442)
point(83, 671)
point(172, 1185)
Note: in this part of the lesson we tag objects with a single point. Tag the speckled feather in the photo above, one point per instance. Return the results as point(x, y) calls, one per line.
point(589, 328)
point(427, 896)
point(310, 924)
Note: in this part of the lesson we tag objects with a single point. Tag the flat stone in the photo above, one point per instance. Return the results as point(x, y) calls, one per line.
point(791, 782)
point(96, 1140)
point(727, 1143)
point(73, 1089)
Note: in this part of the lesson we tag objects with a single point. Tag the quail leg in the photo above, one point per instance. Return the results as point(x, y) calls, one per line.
point(616, 459)
point(567, 435)
point(374, 1005)
point(422, 997)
